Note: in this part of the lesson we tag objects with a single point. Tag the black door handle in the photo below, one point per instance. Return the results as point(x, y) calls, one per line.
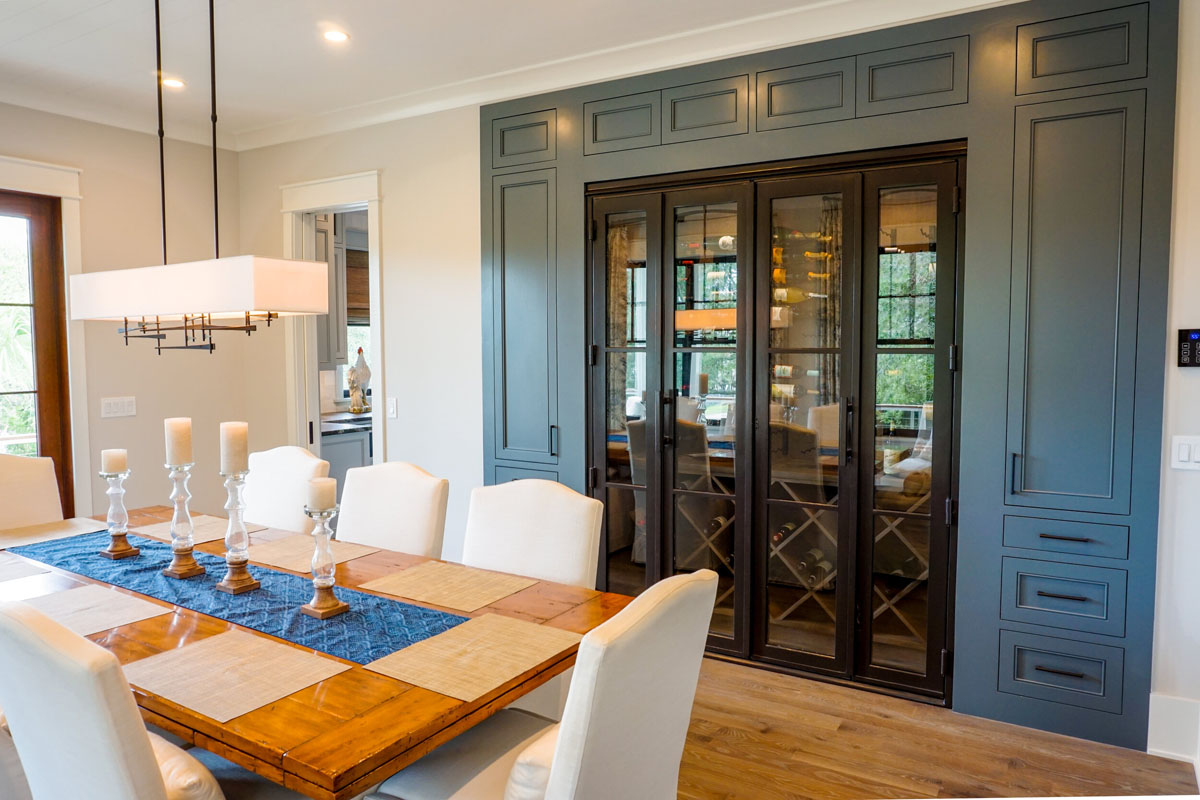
point(1060, 538)
point(553, 440)
point(1065, 672)
point(848, 418)
point(1012, 473)
point(1077, 598)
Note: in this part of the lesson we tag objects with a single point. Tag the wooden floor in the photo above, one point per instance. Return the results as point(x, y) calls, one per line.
point(762, 736)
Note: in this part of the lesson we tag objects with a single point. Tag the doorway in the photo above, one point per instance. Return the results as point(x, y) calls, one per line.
point(769, 347)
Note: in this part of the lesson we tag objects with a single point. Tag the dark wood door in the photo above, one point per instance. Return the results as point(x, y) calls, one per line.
point(34, 399)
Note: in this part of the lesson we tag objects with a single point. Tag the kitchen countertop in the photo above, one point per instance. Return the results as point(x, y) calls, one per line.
point(338, 422)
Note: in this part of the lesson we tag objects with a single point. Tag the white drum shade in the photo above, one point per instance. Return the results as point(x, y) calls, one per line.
point(221, 287)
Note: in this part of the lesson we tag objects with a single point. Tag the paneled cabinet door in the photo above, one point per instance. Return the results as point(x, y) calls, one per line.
point(331, 327)
point(524, 335)
point(1077, 197)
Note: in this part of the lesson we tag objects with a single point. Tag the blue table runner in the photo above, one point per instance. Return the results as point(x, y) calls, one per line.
point(373, 627)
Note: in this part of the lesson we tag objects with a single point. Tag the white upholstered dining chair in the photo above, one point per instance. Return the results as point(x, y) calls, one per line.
point(277, 487)
point(539, 529)
point(28, 491)
point(623, 730)
point(77, 731)
point(536, 528)
point(396, 506)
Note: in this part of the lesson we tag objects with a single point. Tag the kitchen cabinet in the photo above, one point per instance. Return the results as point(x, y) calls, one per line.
point(331, 327)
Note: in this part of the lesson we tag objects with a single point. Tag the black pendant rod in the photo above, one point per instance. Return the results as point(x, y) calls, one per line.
point(212, 70)
point(162, 166)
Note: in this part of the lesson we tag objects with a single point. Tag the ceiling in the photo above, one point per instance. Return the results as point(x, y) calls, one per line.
point(278, 79)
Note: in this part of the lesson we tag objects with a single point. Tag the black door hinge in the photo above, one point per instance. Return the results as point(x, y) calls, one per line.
point(951, 508)
point(593, 479)
point(947, 662)
point(956, 200)
point(593, 354)
point(953, 357)
point(592, 233)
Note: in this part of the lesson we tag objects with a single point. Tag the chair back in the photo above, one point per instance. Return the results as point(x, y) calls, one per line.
point(71, 714)
point(396, 506)
point(277, 487)
point(826, 420)
point(28, 491)
point(627, 713)
point(540, 529)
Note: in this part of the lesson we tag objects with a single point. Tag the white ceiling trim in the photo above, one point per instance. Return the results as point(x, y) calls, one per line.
point(827, 20)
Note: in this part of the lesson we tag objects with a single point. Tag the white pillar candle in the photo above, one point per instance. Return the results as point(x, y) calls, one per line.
point(235, 452)
point(179, 439)
point(322, 493)
point(112, 461)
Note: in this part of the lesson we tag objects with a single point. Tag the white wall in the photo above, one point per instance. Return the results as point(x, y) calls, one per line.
point(1175, 710)
point(429, 169)
point(120, 222)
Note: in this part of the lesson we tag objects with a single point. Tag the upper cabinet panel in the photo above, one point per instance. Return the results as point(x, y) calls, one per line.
point(918, 76)
point(1082, 50)
point(805, 95)
point(1076, 243)
point(525, 139)
point(706, 110)
point(622, 123)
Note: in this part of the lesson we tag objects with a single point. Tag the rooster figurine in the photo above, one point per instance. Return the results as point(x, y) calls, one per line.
point(358, 378)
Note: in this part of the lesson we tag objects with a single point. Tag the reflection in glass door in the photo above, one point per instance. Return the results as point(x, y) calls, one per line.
point(908, 324)
point(806, 374)
point(628, 391)
point(706, 246)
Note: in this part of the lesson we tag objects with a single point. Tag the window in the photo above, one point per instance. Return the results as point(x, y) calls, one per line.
point(34, 419)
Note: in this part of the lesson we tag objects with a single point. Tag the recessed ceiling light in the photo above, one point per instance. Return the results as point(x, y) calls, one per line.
point(173, 83)
point(336, 36)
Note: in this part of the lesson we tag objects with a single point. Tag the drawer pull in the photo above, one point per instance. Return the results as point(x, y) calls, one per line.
point(1064, 672)
point(1077, 598)
point(1060, 538)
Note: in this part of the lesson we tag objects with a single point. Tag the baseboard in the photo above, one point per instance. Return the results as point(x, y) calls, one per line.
point(1175, 729)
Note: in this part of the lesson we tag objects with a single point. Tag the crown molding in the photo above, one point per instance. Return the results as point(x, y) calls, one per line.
point(825, 20)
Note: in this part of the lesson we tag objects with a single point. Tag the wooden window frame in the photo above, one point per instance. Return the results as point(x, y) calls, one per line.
point(48, 287)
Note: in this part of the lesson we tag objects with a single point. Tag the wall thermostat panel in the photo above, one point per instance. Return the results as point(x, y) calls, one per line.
point(1189, 347)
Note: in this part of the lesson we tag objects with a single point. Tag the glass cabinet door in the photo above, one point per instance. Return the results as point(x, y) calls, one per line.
point(626, 389)
point(908, 329)
point(705, 341)
point(807, 321)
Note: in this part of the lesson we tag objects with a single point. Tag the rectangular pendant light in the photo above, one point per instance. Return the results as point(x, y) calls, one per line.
point(219, 287)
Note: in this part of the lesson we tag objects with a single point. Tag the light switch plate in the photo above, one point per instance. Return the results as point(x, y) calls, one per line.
point(1185, 452)
point(118, 407)
point(391, 408)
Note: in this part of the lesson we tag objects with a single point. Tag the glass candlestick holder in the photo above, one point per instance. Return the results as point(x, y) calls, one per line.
point(237, 578)
point(183, 562)
point(325, 603)
point(118, 518)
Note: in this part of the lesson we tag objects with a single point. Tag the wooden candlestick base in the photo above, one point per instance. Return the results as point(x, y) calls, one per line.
point(183, 565)
point(238, 579)
point(324, 604)
point(119, 547)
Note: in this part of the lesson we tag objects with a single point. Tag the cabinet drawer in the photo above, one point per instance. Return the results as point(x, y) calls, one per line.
point(1061, 670)
point(1060, 536)
point(1064, 596)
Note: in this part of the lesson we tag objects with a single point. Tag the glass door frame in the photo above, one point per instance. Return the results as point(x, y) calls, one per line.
point(741, 193)
point(935, 681)
point(849, 185)
point(600, 209)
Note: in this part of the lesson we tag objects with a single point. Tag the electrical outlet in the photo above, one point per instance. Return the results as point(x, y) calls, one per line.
point(118, 407)
point(392, 411)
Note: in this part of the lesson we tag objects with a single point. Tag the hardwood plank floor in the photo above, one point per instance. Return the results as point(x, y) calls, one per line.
point(759, 735)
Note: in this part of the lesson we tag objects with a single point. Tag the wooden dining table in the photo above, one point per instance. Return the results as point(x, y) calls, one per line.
point(341, 736)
